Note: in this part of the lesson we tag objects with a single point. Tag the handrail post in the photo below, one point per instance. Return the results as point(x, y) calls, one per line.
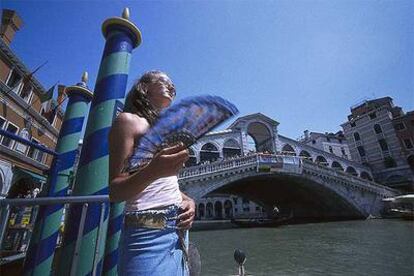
point(4, 219)
point(78, 240)
point(98, 240)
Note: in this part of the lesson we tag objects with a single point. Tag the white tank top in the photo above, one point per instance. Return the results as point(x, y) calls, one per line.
point(162, 192)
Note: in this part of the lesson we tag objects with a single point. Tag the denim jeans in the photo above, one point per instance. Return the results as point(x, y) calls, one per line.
point(155, 252)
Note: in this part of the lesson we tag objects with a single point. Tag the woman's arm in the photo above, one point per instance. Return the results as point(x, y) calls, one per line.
point(186, 218)
point(122, 186)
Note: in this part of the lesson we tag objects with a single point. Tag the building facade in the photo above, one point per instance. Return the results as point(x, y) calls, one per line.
point(334, 143)
point(378, 135)
point(23, 169)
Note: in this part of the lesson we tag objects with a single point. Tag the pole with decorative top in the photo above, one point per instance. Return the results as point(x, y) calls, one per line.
point(84, 255)
point(49, 219)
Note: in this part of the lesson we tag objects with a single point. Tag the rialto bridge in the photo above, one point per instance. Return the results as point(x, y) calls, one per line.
point(278, 171)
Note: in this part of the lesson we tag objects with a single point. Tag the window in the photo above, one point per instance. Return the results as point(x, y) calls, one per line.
point(383, 144)
point(340, 141)
point(6, 141)
point(246, 201)
point(361, 151)
point(2, 124)
point(26, 93)
point(343, 151)
point(352, 124)
point(35, 153)
point(313, 142)
point(328, 139)
point(24, 133)
point(330, 149)
point(356, 136)
point(400, 126)
point(14, 79)
point(408, 143)
point(373, 115)
point(377, 129)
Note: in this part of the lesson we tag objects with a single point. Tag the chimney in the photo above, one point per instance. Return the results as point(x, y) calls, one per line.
point(10, 24)
point(61, 94)
point(306, 132)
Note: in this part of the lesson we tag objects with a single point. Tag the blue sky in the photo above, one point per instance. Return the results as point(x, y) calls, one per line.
point(302, 63)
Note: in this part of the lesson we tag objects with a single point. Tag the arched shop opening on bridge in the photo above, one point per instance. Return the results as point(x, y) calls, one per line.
point(259, 138)
point(231, 148)
point(209, 153)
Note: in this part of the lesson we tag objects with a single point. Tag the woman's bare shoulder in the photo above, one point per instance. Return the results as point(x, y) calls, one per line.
point(130, 123)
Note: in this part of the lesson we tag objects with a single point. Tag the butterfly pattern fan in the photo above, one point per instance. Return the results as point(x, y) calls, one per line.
point(184, 122)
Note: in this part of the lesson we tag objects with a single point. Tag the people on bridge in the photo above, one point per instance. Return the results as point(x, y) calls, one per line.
point(157, 214)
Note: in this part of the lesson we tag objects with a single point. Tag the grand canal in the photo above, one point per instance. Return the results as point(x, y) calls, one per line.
point(371, 247)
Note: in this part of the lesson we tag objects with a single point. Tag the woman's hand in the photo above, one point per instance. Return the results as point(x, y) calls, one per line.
point(186, 218)
point(169, 161)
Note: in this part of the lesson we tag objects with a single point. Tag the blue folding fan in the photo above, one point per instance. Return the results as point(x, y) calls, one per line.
point(184, 122)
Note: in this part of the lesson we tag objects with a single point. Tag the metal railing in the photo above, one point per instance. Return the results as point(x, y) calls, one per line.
point(5, 205)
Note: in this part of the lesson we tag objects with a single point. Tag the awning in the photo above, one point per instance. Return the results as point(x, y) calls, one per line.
point(19, 173)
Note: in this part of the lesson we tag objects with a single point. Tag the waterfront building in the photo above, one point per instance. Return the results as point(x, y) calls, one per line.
point(380, 135)
point(23, 169)
point(334, 143)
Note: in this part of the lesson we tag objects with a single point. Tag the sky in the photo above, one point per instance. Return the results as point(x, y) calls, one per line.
point(302, 63)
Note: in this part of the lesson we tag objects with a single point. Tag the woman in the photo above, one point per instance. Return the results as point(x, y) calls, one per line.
point(156, 212)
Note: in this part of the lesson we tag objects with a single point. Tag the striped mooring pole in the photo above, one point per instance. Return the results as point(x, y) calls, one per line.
point(84, 243)
point(42, 244)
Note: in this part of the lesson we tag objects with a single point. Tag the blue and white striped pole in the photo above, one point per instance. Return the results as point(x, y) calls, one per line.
point(92, 177)
point(40, 254)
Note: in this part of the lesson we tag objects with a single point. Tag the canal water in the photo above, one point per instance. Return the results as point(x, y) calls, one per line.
point(370, 247)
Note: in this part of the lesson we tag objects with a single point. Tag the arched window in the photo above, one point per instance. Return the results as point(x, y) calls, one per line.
point(335, 165)
point(365, 175)
point(321, 161)
point(351, 170)
point(305, 155)
point(201, 210)
point(218, 210)
point(356, 136)
point(209, 210)
point(209, 152)
point(228, 209)
point(377, 129)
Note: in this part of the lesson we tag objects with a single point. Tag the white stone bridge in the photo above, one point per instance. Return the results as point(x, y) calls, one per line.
point(295, 177)
point(292, 183)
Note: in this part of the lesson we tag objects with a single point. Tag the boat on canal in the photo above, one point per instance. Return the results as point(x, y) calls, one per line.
point(402, 206)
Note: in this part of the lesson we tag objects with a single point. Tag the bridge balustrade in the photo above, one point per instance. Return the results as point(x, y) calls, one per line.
point(289, 163)
point(364, 184)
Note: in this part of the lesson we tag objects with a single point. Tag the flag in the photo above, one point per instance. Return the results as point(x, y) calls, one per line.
point(45, 97)
point(26, 82)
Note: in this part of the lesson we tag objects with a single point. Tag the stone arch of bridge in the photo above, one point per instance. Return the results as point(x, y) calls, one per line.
point(261, 135)
point(306, 198)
